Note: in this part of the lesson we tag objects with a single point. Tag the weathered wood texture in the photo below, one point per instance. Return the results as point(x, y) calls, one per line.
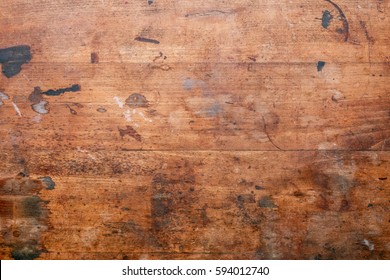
point(247, 129)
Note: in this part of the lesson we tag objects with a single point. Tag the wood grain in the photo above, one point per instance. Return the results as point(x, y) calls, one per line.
point(244, 129)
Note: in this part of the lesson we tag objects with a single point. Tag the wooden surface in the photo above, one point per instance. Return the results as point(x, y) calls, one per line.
point(246, 129)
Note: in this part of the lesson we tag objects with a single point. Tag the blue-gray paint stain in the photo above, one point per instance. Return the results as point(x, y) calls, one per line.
point(188, 84)
point(326, 18)
point(213, 110)
point(320, 65)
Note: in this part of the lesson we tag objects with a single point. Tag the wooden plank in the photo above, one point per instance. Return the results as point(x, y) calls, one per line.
point(241, 106)
point(231, 31)
point(266, 205)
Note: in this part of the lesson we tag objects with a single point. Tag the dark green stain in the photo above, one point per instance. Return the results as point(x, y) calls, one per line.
point(32, 207)
point(26, 252)
point(56, 92)
point(326, 18)
point(320, 65)
point(266, 202)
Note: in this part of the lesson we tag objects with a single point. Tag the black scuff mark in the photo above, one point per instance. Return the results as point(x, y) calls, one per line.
point(320, 65)
point(345, 29)
point(150, 2)
point(13, 58)
point(146, 40)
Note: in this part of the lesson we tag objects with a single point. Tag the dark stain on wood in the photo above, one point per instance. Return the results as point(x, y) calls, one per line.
point(266, 202)
point(13, 58)
point(56, 92)
point(137, 100)
point(129, 130)
point(146, 40)
point(101, 110)
point(345, 29)
point(24, 215)
point(94, 58)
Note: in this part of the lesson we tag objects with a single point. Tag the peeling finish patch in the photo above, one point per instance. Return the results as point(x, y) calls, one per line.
point(23, 215)
point(40, 107)
point(48, 181)
point(137, 100)
point(13, 58)
point(370, 246)
point(131, 132)
point(3, 96)
point(101, 110)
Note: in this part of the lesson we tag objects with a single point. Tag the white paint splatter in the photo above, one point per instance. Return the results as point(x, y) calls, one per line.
point(369, 244)
point(3, 96)
point(17, 109)
point(37, 118)
point(119, 102)
point(40, 107)
point(86, 152)
point(144, 117)
point(127, 115)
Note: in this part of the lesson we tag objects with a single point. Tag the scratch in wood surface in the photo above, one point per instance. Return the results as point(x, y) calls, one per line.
point(72, 111)
point(269, 138)
point(17, 109)
point(146, 40)
point(210, 13)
